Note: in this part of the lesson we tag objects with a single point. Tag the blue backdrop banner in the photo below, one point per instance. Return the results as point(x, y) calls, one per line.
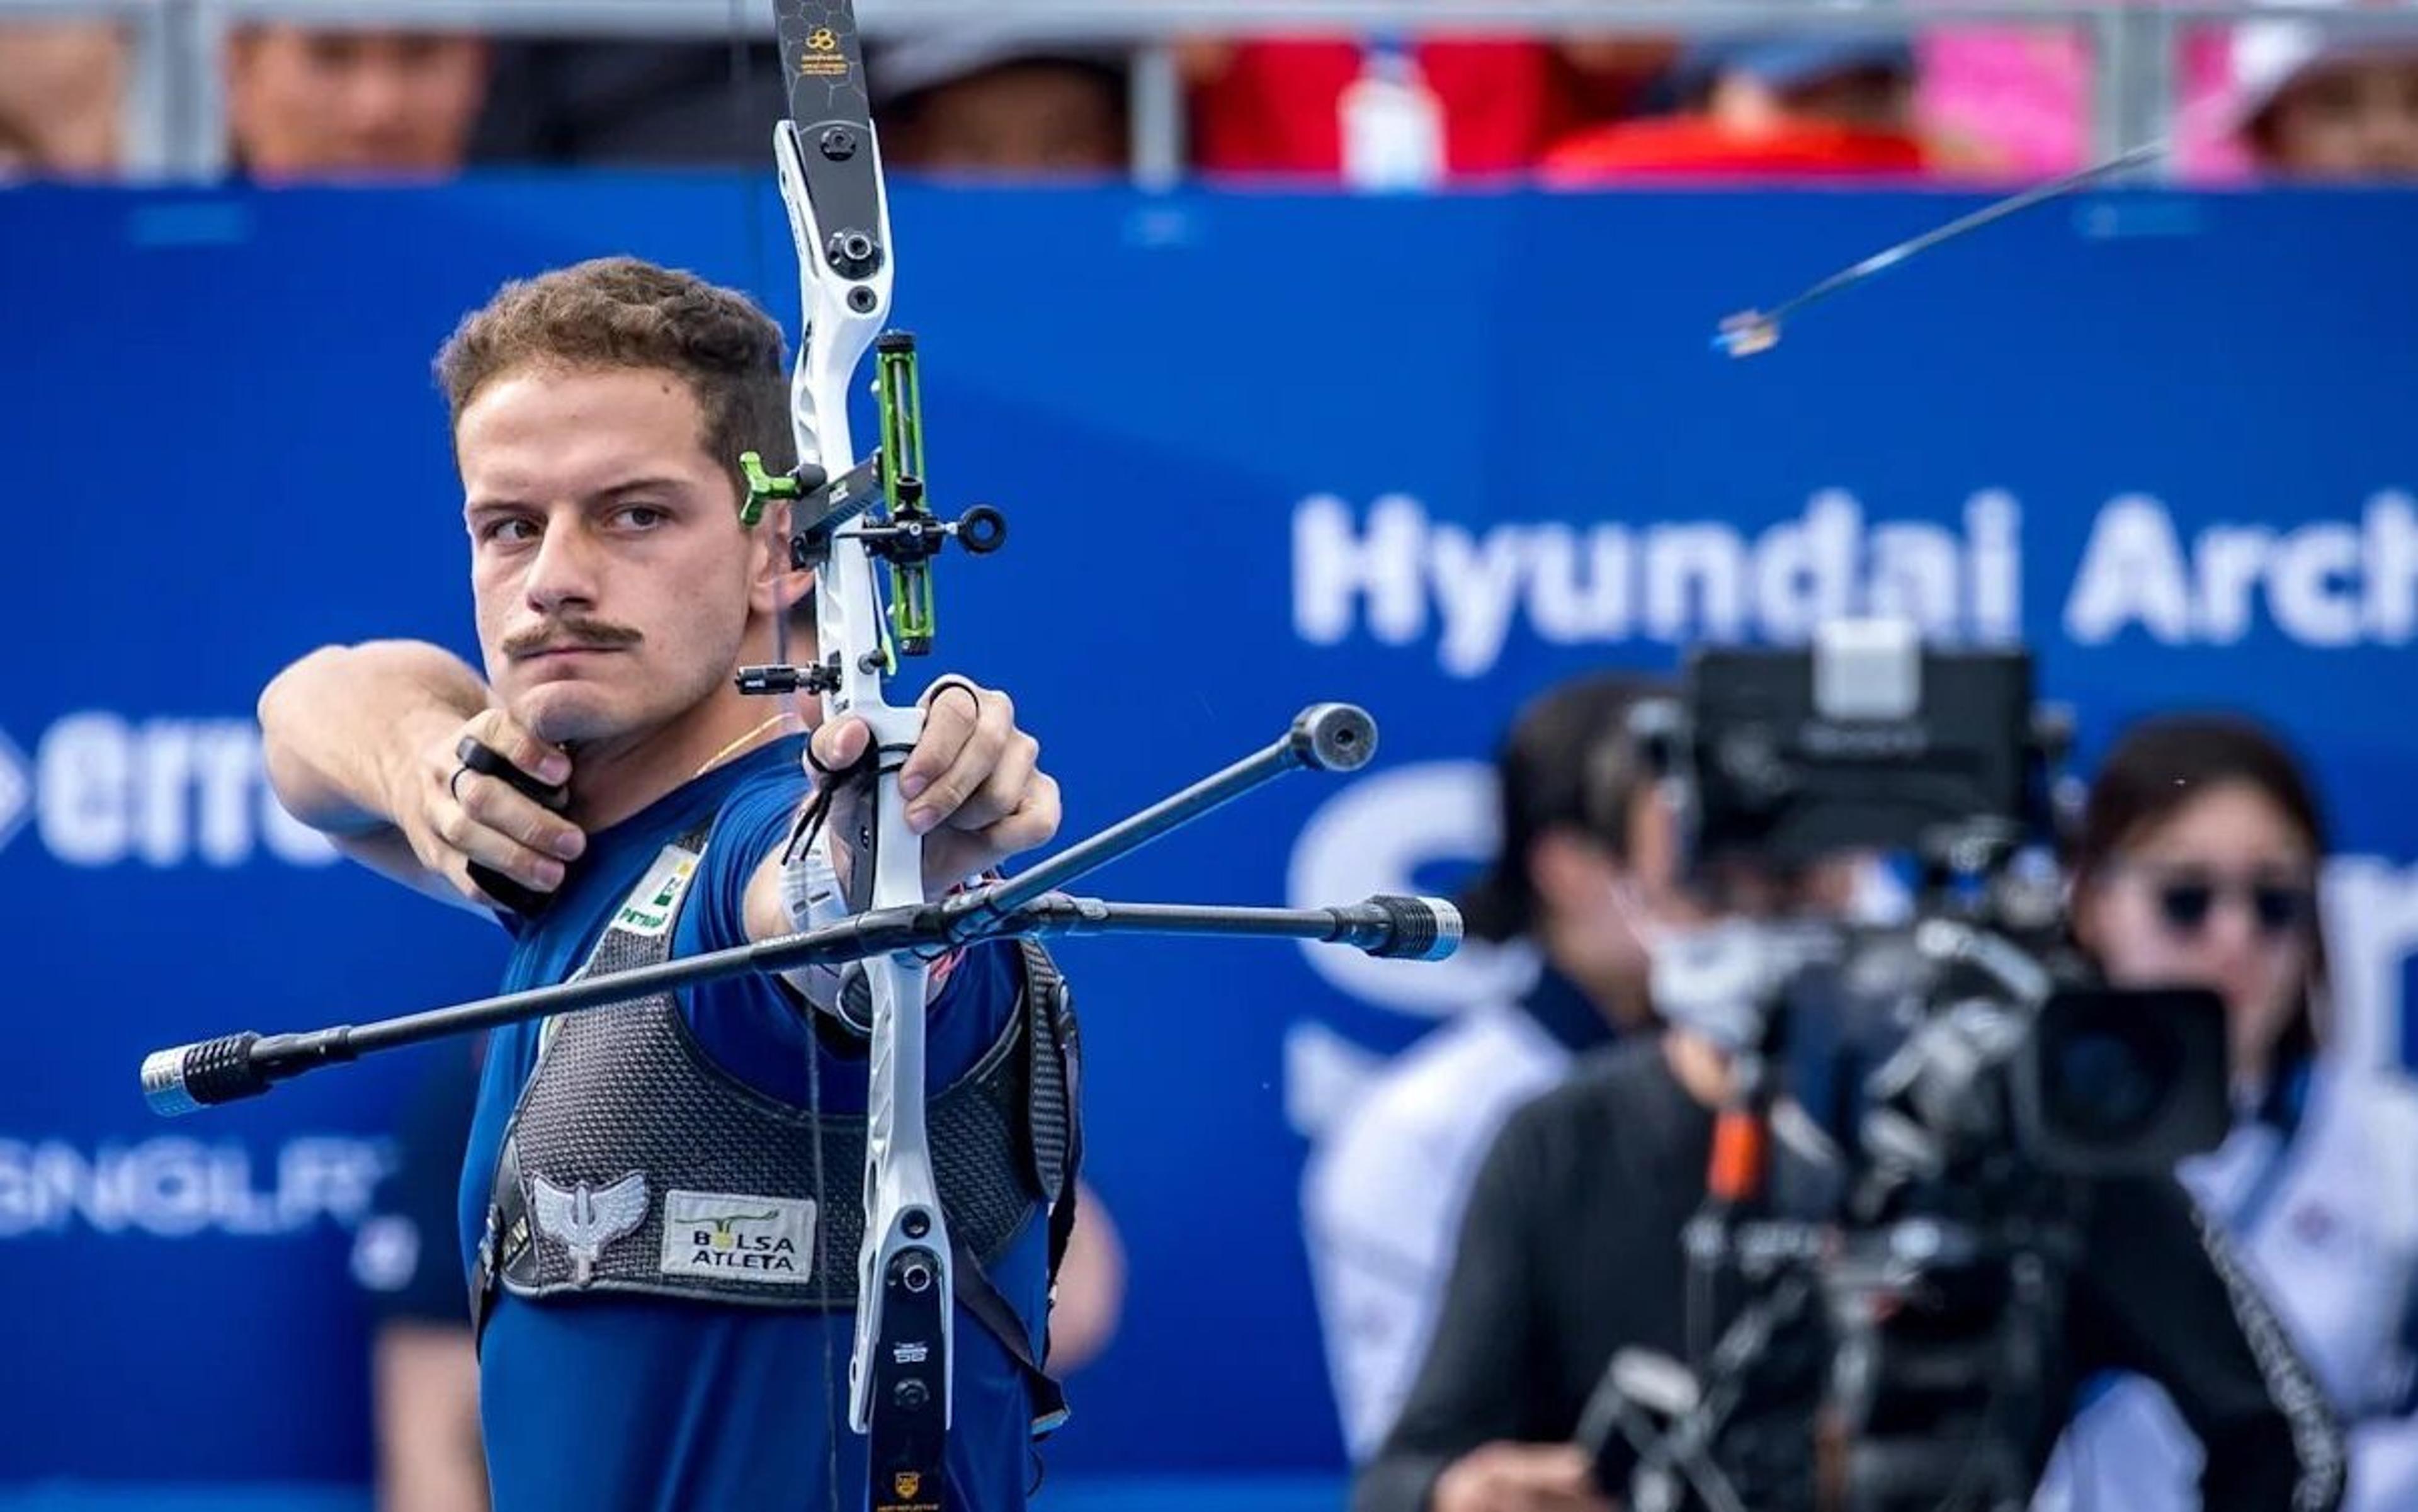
point(1424, 455)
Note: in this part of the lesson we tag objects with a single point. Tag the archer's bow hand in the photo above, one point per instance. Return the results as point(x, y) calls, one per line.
point(973, 786)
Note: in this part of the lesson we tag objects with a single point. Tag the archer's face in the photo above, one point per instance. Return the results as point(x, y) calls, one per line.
point(612, 576)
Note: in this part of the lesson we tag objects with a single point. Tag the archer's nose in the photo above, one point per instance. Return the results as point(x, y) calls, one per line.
point(564, 571)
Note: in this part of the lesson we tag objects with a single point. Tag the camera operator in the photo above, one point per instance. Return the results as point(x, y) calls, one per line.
point(2196, 861)
point(1573, 1249)
point(1382, 1195)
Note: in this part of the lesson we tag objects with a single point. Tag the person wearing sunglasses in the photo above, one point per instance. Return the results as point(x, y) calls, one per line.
point(2197, 863)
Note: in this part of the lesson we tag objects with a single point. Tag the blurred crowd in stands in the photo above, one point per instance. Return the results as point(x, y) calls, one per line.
point(2271, 98)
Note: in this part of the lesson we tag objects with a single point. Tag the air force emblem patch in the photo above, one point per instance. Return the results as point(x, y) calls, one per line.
point(583, 1220)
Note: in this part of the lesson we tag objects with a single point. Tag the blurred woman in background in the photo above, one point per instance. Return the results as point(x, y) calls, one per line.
point(2197, 865)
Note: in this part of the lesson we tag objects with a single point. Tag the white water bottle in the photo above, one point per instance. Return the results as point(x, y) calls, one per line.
point(1393, 124)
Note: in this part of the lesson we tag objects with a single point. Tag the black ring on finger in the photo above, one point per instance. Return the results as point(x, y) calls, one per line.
point(822, 770)
point(454, 784)
point(957, 685)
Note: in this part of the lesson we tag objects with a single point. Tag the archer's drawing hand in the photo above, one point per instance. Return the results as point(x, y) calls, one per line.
point(454, 817)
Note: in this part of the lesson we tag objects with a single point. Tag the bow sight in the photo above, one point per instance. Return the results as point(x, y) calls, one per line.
point(908, 536)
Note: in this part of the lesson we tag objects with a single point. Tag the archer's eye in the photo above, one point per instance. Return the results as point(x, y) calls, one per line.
point(510, 530)
point(641, 516)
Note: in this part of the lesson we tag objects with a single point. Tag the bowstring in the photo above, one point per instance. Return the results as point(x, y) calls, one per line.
point(742, 79)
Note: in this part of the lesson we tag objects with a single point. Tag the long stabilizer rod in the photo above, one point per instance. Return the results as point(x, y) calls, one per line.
point(235, 1066)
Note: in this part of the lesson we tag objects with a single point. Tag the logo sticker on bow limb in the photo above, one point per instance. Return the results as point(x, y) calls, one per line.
point(585, 1219)
point(823, 58)
point(907, 1487)
point(733, 1236)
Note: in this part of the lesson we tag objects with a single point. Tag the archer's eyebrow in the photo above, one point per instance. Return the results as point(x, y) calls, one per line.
point(647, 484)
point(650, 484)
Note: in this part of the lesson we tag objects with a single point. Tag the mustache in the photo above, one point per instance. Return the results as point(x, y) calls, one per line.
point(573, 633)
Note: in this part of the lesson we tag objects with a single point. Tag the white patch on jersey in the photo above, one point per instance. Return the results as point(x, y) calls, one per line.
point(735, 1237)
point(650, 905)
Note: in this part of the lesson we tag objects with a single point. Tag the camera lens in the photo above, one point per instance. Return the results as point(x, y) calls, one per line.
point(2106, 1081)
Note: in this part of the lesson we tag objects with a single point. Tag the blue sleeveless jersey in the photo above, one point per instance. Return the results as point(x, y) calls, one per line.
point(620, 1401)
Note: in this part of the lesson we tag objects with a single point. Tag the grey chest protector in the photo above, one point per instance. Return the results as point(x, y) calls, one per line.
point(633, 1163)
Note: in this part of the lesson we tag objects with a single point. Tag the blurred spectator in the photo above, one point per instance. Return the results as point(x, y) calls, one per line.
point(955, 104)
point(2016, 100)
point(1757, 86)
point(62, 93)
point(1621, 76)
point(961, 105)
point(1384, 1192)
point(2323, 104)
point(1818, 104)
point(1264, 107)
point(2200, 858)
point(18, 150)
point(305, 103)
point(424, 1371)
point(656, 104)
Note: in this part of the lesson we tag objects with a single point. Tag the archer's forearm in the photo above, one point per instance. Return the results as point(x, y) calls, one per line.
point(340, 725)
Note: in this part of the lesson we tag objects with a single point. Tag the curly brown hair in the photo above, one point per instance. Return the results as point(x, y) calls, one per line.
point(626, 312)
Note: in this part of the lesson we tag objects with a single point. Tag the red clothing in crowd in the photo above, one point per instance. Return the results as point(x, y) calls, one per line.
point(1274, 110)
point(1693, 147)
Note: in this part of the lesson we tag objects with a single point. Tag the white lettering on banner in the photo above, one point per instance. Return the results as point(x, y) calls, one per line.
point(172, 1187)
point(1373, 837)
point(81, 786)
point(165, 793)
point(2371, 934)
point(2327, 583)
point(1679, 581)
point(16, 790)
point(1329, 574)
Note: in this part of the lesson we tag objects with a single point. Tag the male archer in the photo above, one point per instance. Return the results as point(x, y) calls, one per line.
point(660, 1201)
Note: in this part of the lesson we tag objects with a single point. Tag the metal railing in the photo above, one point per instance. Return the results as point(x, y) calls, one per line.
point(176, 107)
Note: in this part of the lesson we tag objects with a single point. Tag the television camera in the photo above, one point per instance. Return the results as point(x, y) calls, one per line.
point(1920, 1108)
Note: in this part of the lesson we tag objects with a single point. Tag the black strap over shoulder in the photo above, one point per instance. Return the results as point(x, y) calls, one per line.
point(1056, 1123)
point(997, 1314)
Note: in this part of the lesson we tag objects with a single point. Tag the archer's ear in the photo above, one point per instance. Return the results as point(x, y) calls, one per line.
point(773, 586)
point(794, 594)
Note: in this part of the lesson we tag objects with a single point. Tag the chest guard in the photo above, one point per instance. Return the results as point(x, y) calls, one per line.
point(633, 1163)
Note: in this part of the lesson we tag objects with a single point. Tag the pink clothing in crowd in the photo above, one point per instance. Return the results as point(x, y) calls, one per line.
point(2016, 100)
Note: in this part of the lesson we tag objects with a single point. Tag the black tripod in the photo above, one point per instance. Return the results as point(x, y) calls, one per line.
point(1875, 1361)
